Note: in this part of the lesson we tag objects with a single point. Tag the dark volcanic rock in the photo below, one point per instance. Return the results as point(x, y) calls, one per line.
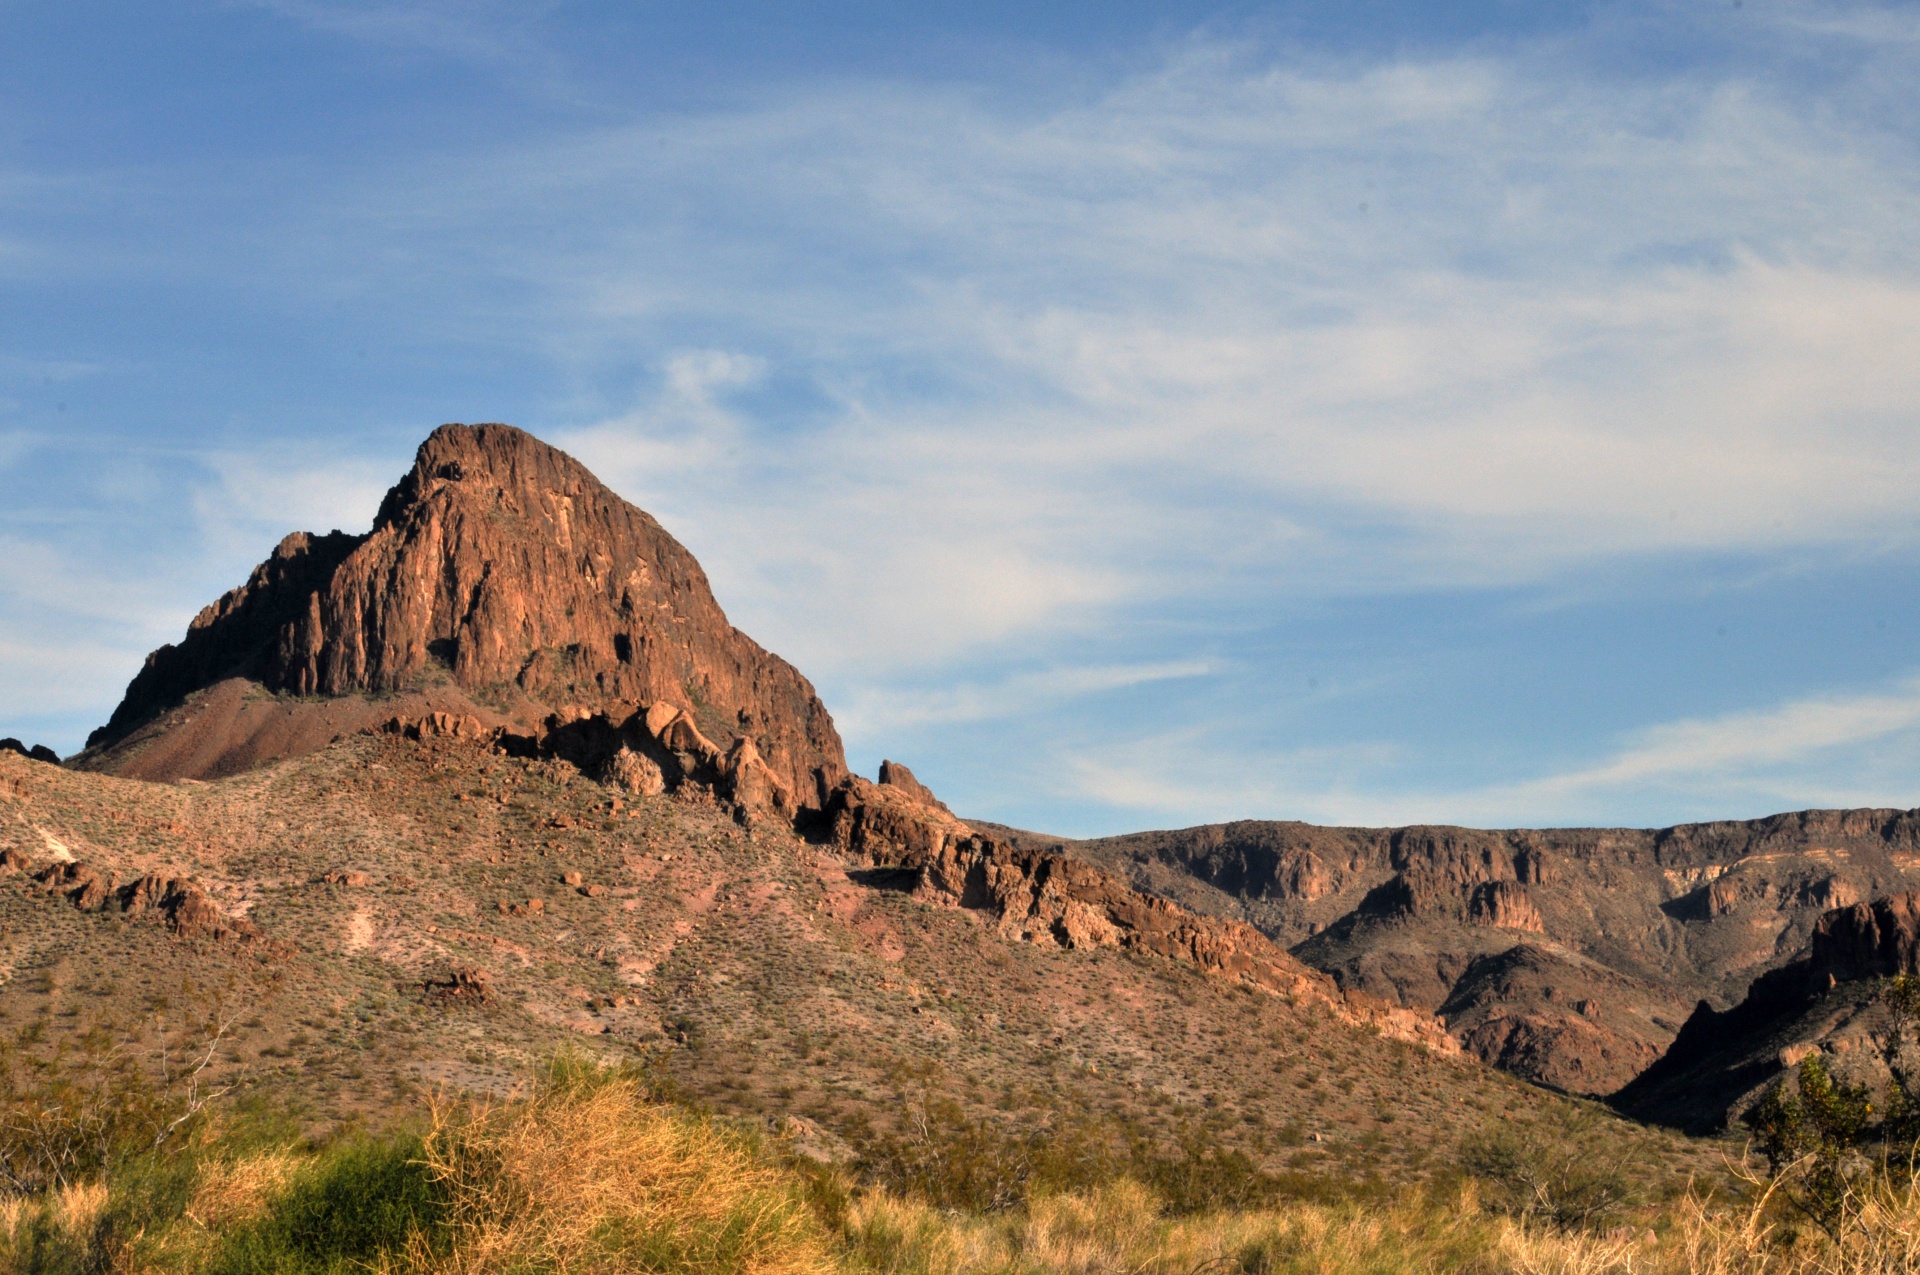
point(500, 567)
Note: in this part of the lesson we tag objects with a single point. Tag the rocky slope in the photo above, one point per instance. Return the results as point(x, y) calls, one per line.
point(417, 907)
point(509, 617)
point(500, 580)
point(1569, 956)
point(1826, 999)
point(504, 753)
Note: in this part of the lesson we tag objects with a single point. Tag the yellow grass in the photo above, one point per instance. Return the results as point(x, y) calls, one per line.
point(234, 1192)
point(592, 1176)
point(588, 1176)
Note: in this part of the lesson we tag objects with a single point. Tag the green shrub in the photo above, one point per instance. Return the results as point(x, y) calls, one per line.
point(356, 1203)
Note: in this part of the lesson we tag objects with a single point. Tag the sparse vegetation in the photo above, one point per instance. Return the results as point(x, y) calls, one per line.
point(1830, 1153)
point(589, 1171)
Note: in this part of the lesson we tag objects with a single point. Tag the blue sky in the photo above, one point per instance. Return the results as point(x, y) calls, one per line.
point(1128, 415)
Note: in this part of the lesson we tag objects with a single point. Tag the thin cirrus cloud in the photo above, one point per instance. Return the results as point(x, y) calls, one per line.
point(1838, 750)
point(1503, 318)
point(1243, 321)
point(880, 712)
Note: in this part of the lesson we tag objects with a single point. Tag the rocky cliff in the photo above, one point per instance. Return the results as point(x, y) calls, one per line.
point(1827, 999)
point(501, 579)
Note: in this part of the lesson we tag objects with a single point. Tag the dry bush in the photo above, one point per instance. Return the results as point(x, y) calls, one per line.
point(1882, 1236)
point(1123, 1228)
point(50, 1231)
point(589, 1174)
point(232, 1193)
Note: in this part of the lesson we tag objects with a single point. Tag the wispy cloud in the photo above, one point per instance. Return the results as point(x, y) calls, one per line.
point(1428, 323)
point(947, 383)
point(877, 712)
point(1827, 750)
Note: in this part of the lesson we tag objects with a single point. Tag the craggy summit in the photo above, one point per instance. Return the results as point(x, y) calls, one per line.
point(501, 579)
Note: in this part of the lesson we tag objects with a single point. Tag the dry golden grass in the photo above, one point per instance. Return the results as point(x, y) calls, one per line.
point(231, 1193)
point(591, 1175)
point(1119, 1229)
point(61, 1219)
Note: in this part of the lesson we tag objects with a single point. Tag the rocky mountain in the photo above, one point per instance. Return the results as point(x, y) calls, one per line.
point(417, 806)
point(1568, 956)
point(1827, 999)
point(503, 754)
point(428, 905)
point(501, 580)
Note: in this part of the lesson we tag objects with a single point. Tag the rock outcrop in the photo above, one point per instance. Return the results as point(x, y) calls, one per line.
point(1037, 896)
point(1866, 940)
point(654, 748)
point(39, 752)
point(1825, 999)
point(178, 902)
point(1504, 905)
point(501, 570)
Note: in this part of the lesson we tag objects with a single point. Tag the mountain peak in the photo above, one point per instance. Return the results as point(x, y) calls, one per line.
point(498, 569)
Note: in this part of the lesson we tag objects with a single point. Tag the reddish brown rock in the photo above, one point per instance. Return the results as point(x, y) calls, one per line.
point(462, 983)
point(79, 883)
point(754, 785)
point(885, 822)
point(1505, 905)
point(497, 562)
point(439, 725)
point(179, 902)
point(1039, 896)
point(183, 906)
point(634, 772)
point(1868, 940)
point(895, 775)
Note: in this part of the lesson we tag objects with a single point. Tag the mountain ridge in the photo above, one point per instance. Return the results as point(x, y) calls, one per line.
point(1571, 956)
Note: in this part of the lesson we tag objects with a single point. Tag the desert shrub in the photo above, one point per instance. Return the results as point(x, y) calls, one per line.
point(589, 1173)
point(71, 1109)
point(1811, 1139)
point(350, 1207)
point(941, 1154)
point(1569, 1177)
point(1900, 1125)
point(53, 1233)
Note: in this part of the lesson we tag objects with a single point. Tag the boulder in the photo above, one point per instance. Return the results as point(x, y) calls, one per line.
point(634, 772)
